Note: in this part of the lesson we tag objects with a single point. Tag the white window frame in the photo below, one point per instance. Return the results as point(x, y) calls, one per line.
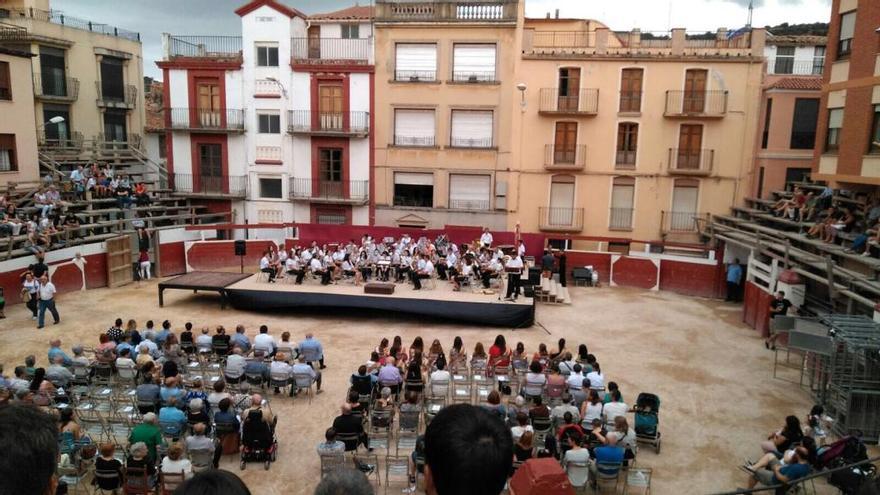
point(347, 29)
point(261, 178)
point(266, 46)
point(466, 69)
point(470, 200)
point(415, 70)
point(465, 131)
point(414, 139)
point(270, 116)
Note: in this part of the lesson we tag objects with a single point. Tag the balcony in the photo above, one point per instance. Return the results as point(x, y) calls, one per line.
point(269, 155)
point(223, 186)
point(11, 32)
point(696, 104)
point(473, 77)
point(415, 76)
point(620, 219)
point(48, 88)
point(790, 66)
point(471, 143)
point(218, 47)
point(691, 161)
point(73, 142)
point(353, 192)
point(58, 17)
point(317, 123)
point(565, 158)
point(553, 219)
point(331, 50)
point(681, 222)
point(459, 11)
point(584, 102)
point(195, 120)
point(124, 96)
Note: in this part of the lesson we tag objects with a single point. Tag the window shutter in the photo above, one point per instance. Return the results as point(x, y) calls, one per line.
point(414, 127)
point(847, 25)
point(622, 196)
point(470, 192)
point(684, 198)
point(413, 179)
point(473, 62)
point(835, 118)
point(472, 128)
point(416, 59)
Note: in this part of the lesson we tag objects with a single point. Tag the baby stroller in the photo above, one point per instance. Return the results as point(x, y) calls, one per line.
point(258, 443)
point(648, 419)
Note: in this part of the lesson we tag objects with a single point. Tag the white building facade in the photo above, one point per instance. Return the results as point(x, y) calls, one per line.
point(275, 124)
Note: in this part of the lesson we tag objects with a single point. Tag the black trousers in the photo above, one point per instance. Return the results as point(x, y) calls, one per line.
point(32, 304)
point(299, 275)
point(271, 273)
point(441, 271)
point(417, 279)
point(487, 277)
point(325, 276)
point(732, 291)
point(513, 284)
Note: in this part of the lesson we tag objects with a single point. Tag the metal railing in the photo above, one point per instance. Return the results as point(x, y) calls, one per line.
point(469, 204)
point(415, 75)
point(691, 161)
point(561, 219)
point(309, 121)
point(789, 65)
point(446, 11)
point(268, 154)
point(463, 142)
point(58, 17)
point(11, 32)
point(189, 119)
point(469, 76)
point(340, 191)
point(563, 39)
point(625, 159)
point(317, 49)
point(425, 141)
point(620, 219)
point(630, 101)
point(74, 141)
point(56, 88)
point(696, 103)
point(223, 185)
point(204, 46)
point(681, 221)
point(565, 157)
point(125, 95)
point(584, 101)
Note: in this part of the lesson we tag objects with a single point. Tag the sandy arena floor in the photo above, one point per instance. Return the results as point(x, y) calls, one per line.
point(719, 400)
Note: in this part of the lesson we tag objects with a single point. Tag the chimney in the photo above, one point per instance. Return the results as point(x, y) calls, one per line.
point(557, 13)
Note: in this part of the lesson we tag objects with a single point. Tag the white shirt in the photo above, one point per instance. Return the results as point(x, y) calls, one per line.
point(316, 265)
point(235, 365)
point(429, 267)
point(592, 411)
point(264, 262)
point(613, 410)
point(515, 263)
point(169, 466)
point(517, 431)
point(576, 380)
point(486, 238)
point(291, 264)
point(596, 379)
point(282, 256)
point(280, 369)
point(265, 342)
point(521, 250)
point(32, 287)
point(47, 291)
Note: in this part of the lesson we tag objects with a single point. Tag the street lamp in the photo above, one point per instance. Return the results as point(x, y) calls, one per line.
point(522, 91)
point(54, 120)
point(276, 81)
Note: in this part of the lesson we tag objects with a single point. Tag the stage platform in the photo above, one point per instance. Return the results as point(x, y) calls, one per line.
point(246, 293)
point(207, 281)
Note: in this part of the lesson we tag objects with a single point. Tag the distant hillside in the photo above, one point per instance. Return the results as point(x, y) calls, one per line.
point(786, 29)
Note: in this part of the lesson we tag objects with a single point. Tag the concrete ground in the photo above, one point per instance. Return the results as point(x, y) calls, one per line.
point(712, 373)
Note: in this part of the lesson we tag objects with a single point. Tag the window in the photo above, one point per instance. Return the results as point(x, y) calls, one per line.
point(765, 136)
point(835, 122)
point(631, 90)
point(270, 188)
point(473, 63)
point(112, 85)
point(210, 168)
point(690, 142)
point(330, 216)
point(622, 196)
point(847, 31)
point(415, 62)
point(350, 31)
point(414, 127)
point(267, 56)
point(115, 127)
point(59, 132)
point(565, 143)
point(803, 123)
point(561, 211)
point(569, 86)
point(414, 189)
point(627, 144)
point(874, 145)
point(469, 192)
point(163, 150)
point(784, 60)
point(330, 102)
point(685, 195)
point(52, 74)
point(471, 129)
point(269, 123)
point(695, 81)
point(8, 158)
point(330, 165)
point(5, 82)
point(819, 60)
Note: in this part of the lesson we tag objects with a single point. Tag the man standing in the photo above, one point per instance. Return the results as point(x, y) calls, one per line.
point(514, 273)
point(312, 349)
point(547, 264)
point(47, 301)
point(486, 238)
point(734, 277)
point(778, 306)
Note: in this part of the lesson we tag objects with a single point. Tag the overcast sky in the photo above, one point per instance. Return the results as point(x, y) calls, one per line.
point(153, 18)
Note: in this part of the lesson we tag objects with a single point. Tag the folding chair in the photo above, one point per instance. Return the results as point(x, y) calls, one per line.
point(304, 382)
point(397, 467)
point(331, 462)
point(126, 376)
point(438, 389)
point(280, 381)
point(433, 405)
point(578, 474)
point(137, 482)
point(372, 460)
point(380, 427)
point(255, 379)
point(170, 481)
point(201, 459)
point(461, 389)
point(483, 387)
point(103, 375)
point(408, 425)
point(109, 477)
point(640, 480)
point(349, 439)
point(171, 430)
point(608, 473)
point(73, 476)
point(542, 427)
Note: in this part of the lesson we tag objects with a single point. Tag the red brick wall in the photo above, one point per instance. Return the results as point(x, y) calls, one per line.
point(172, 260)
point(213, 255)
point(635, 272)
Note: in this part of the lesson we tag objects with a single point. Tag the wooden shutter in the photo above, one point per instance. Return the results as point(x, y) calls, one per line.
point(631, 90)
point(565, 144)
point(695, 90)
point(690, 142)
point(569, 86)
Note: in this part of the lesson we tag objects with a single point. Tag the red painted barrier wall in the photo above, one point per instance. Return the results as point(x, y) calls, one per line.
point(601, 263)
point(634, 272)
point(66, 278)
point(171, 259)
point(213, 255)
point(756, 308)
point(689, 279)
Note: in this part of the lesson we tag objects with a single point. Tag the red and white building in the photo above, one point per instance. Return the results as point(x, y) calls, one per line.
point(274, 125)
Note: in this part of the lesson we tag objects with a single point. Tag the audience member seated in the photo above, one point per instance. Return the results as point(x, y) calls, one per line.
point(258, 405)
point(779, 441)
point(522, 426)
point(302, 368)
point(108, 470)
point(175, 462)
point(280, 371)
point(524, 446)
point(389, 376)
point(362, 382)
point(198, 441)
point(330, 445)
point(241, 340)
point(348, 424)
point(770, 470)
point(591, 409)
point(614, 409)
point(494, 405)
point(138, 458)
point(196, 413)
point(535, 380)
point(265, 342)
point(149, 433)
point(170, 414)
point(220, 341)
point(171, 390)
point(608, 455)
point(256, 366)
point(58, 374)
point(559, 411)
point(578, 474)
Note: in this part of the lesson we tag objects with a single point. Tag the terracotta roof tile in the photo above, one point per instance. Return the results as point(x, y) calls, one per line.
point(155, 113)
point(810, 83)
point(797, 40)
point(355, 12)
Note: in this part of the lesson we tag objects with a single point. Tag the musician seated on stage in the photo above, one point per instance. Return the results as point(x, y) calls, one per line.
point(266, 266)
point(492, 269)
point(383, 266)
point(463, 273)
point(347, 269)
point(405, 266)
point(318, 269)
point(424, 268)
point(294, 267)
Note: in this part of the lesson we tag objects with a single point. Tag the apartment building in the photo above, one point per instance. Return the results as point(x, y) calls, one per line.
point(847, 154)
point(789, 111)
point(632, 134)
point(84, 72)
point(274, 124)
point(18, 141)
point(445, 84)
